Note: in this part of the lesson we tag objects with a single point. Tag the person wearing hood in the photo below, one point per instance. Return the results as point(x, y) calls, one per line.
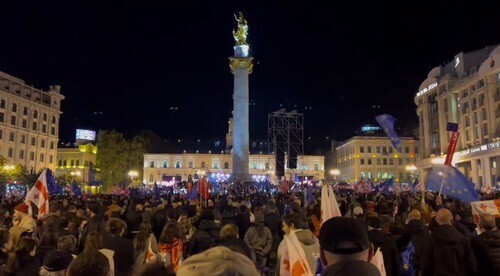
point(308, 241)
point(260, 239)
point(448, 252)
point(486, 247)
point(207, 234)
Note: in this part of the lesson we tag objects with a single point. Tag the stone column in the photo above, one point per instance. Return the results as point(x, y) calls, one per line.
point(241, 66)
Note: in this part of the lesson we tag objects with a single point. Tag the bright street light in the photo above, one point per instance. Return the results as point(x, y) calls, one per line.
point(132, 174)
point(411, 168)
point(9, 167)
point(335, 172)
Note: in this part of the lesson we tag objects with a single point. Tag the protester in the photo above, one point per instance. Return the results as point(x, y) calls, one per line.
point(486, 247)
point(21, 260)
point(206, 235)
point(22, 218)
point(145, 246)
point(55, 263)
point(346, 248)
point(93, 242)
point(123, 248)
point(155, 269)
point(90, 263)
point(170, 247)
point(448, 252)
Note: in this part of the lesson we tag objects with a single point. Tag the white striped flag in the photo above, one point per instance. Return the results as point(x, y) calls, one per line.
point(39, 194)
point(293, 258)
point(329, 205)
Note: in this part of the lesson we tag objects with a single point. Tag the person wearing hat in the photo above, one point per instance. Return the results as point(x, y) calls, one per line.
point(345, 248)
point(55, 263)
point(22, 217)
point(216, 261)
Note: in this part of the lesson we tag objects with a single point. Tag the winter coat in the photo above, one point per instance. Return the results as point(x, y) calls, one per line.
point(228, 217)
point(28, 222)
point(243, 223)
point(310, 245)
point(420, 235)
point(205, 237)
point(237, 245)
point(486, 248)
point(123, 253)
point(259, 238)
point(448, 253)
point(28, 265)
point(351, 268)
point(388, 248)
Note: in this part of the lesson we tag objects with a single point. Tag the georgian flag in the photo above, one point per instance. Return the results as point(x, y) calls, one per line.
point(293, 258)
point(39, 194)
point(329, 205)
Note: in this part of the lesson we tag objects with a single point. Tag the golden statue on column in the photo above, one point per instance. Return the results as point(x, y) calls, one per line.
point(240, 35)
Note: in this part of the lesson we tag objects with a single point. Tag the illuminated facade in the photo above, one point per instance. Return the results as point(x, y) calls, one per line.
point(185, 166)
point(374, 158)
point(29, 123)
point(76, 161)
point(465, 91)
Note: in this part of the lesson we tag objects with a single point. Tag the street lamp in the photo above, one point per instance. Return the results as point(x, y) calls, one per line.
point(9, 167)
point(335, 173)
point(132, 174)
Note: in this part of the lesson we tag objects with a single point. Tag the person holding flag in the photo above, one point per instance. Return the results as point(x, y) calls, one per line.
point(39, 195)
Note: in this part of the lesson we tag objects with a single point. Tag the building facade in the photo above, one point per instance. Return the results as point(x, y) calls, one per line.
point(29, 123)
point(465, 91)
point(76, 161)
point(374, 158)
point(185, 166)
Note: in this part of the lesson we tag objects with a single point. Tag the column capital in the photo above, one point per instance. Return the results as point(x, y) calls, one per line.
point(241, 63)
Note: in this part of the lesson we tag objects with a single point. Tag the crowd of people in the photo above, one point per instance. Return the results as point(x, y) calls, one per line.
point(243, 234)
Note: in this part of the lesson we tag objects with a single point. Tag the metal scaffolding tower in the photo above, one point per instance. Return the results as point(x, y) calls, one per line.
point(285, 139)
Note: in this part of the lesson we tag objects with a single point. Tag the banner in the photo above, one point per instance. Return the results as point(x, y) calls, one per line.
point(486, 207)
point(293, 258)
point(329, 205)
point(451, 148)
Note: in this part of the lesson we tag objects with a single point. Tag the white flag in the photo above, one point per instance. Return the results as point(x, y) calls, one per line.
point(293, 258)
point(39, 194)
point(329, 206)
point(378, 261)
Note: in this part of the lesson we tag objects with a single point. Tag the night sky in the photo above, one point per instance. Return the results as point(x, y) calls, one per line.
point(128, 66)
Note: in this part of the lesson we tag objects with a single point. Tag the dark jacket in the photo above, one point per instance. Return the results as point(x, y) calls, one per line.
point(388, 248)
point(237, 245)
point(134, 220)
point(243, 223)
point(273, 222)
point(158, 220)
point(227, 217)
point(94, 224)
point(351, 268)
point(420, 235)
point(486, 247)
point(28, 265)
point(448, 253)
point(124, 253)
point(205, 237)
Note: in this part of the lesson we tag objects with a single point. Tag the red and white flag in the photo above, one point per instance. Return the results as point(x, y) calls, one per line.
point(329, 205)
point(39, 194)
point(293, 258)
point(485, 207)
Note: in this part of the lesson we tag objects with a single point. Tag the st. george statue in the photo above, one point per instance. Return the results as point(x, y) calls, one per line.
point(240, 35)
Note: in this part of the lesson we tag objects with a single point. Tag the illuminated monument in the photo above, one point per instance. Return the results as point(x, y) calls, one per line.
point(241, 66)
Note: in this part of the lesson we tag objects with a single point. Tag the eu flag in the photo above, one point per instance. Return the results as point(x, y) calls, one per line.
point(51, 183)
point(455, 184)
point(76, 190)
point(386, 122)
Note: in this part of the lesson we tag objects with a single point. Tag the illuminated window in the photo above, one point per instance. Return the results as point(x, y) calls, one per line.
point(316, 167)
point(254, 165)
point(177, 164)
point(379, 175)
point(226, 165)
point(363, 175)
point(216, 165)
point(190, 165)
point(152, 164)
point(384, 175)
point(165, 164)
point(266, 166)
point(369, 149)
point(203, 164)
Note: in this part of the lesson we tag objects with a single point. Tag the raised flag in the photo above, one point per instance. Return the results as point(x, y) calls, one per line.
point(329, 205)
point(378, 261)
point(293, 258)
point(451, 182)
point(39, 194)
point(52, 187)
point(386, 121)
point(75, 189)
point(485, 207)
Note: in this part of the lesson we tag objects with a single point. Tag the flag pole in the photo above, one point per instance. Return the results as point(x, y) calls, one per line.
point(442, 182)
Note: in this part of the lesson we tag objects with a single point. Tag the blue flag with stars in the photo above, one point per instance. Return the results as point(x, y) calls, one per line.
point(386, 122)
point(455, 184)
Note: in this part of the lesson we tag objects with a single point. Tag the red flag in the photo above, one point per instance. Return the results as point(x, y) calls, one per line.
point(203, 188)
point(39, 195)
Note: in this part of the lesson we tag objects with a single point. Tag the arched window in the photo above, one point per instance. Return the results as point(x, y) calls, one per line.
point(44, 117)
point(165, 164)
point(316, 167)
point(177, 164)
point(151, 178)
point(267, 166)
point(254, 165)
point(203, 164)
point(190, 165)
point(384, 175)
point(304, 167)
point(152, 164)
point(2, 104)
point(14, 107)
point(226, 165)
point(35, 114)
point(25, 111)
point(216, 165)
